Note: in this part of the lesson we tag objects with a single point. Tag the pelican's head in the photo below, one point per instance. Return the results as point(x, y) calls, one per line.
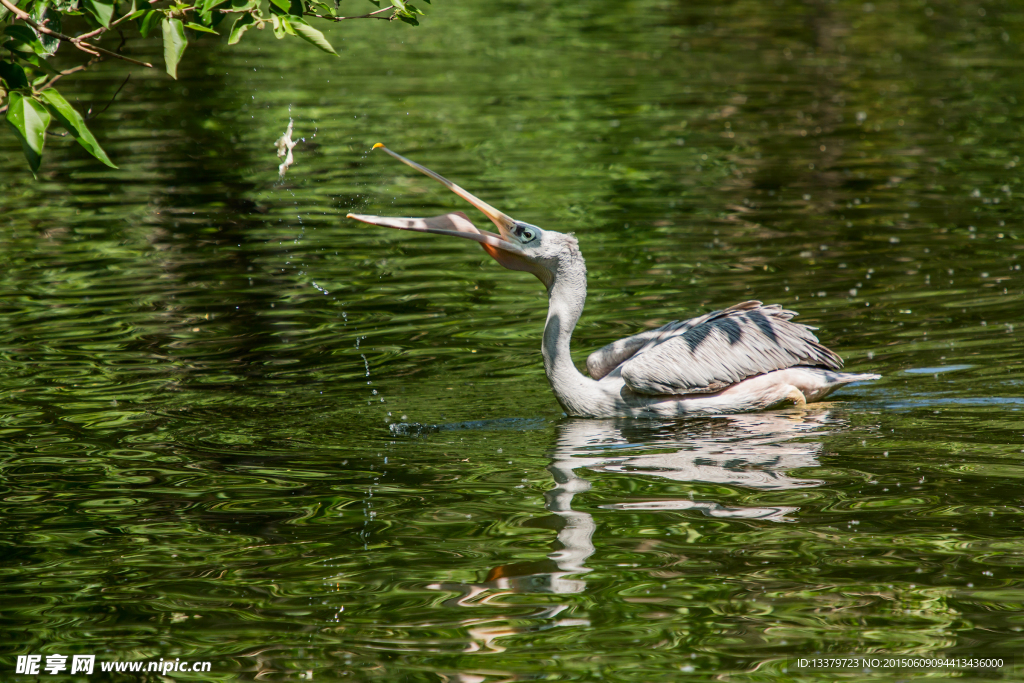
point(516, 245)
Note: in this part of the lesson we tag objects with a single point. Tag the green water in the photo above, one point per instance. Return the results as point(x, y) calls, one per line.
point(238, 428)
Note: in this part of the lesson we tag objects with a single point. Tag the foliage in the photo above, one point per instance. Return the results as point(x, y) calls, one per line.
point(32, 33)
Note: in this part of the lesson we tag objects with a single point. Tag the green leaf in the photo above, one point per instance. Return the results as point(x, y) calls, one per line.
point(51, 43)
point(137, 13)
point(281, 27)
point(210, 4)
point(409, 19)
point(13, 75)
point(310, 34)
point(25, 40)
point(100, 10)
point(20, 32)
point(174, 44)
point(73, 121)
point(241, 26)
point(201, 29)
point(287, 7)
point(48, 18)
point(149, 21)
point(400, 4)
point(324, 8)
point(212, 19)
point(30, 120)
point(31, 58)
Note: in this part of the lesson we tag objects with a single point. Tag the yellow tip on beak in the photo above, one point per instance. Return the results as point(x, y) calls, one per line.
point(376, 146)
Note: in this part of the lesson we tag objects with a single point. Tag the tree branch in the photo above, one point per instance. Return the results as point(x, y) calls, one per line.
point(77, 42)
point(371, 15)
point(90, 116)
point(101, 30)
point(68, 72)
point(92, 34)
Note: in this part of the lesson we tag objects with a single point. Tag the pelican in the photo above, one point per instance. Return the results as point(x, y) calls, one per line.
point(743, 358)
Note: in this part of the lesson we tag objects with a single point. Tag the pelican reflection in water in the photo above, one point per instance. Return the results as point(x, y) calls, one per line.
point(753, 452)
point(746, 357)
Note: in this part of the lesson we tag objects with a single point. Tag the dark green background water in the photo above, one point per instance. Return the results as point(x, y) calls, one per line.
point(237, 427)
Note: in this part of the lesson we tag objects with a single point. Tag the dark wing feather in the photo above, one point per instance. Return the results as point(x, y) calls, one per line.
point(709, 353)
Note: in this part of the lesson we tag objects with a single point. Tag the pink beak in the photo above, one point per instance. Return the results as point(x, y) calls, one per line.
point(502, 245)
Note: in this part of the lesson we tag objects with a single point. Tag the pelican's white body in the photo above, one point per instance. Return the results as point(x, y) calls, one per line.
point(741, 359)
point(609, 396)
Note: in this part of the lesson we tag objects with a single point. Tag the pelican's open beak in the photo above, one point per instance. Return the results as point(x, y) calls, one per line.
point(456, 224)
point(502, 246)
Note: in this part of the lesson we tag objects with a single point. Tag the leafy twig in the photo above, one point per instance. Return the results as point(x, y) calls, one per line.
point(77, 42)
point(60, 75)
point(371, 15)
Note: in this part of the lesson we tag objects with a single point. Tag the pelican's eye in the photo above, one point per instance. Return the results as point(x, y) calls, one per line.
point(528, 235)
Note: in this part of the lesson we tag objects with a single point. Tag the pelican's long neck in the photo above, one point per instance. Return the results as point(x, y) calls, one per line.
point(566, 296)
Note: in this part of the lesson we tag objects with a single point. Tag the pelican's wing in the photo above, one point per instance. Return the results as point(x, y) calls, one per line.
point(609, 357)
point(709, 353)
